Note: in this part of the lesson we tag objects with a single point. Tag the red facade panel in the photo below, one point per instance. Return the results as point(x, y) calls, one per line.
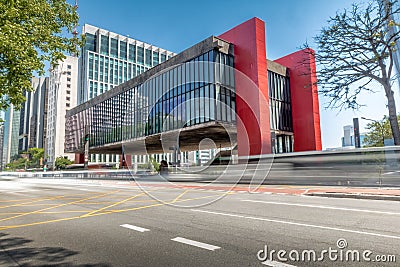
point(252, 104)
point(304, 97)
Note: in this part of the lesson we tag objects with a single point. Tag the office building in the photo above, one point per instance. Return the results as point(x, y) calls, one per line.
point(11, 134)
point(33, 116)
point(348, 137)
point(62, 96)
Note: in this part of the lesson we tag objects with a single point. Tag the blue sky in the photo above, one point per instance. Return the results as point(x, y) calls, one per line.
point(177, 25)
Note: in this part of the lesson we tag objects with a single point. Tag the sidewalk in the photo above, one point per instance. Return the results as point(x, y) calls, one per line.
point(375, 193)
point(357, 193)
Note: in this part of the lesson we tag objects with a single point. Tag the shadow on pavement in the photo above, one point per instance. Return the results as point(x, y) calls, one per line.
point(15, 251)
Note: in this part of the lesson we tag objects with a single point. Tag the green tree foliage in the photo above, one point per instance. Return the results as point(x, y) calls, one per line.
point(18, 164)
point(30, 159)
point(31, 33)
point(355, 54)
point(35, 155)
point(376, 131)
point(61, 163)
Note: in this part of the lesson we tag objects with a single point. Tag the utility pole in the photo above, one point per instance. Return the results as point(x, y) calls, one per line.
point(86, 144)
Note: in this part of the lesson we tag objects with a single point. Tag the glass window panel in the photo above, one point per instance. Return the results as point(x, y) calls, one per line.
point(187, 73)
point(212, 102)
point(163, 57)
point(148, 58)
point(111, 70)
point(114, 47)
point(104, 45)
point(183, 67)
point(201, 105)
point(132, 52)
point(101, 68)
point(91, 65)
point(96, 67)
point(90, 42)
point(106, 70)
point(140, 55)
point(115, 72)
point(156, 60)
point(122, 50)
point(125, 77)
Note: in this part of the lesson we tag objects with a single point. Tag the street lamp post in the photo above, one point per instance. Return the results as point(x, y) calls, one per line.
point(380, 126)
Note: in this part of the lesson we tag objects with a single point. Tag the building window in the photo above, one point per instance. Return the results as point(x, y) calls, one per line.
point(122, 49)
point(68, 92)
point(68, 79)
point(148, 57)
point(68, 85)
point(114, 47)
point(140, 55)
point(91, 58)
point(68, 98)
point(90, 42)
point(69, 73)
point(155, 58)
point(67, 105)
point(69, 67)
point(104, 45)
point(132, 52)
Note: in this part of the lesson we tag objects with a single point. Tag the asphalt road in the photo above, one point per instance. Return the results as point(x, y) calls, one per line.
point(53, 222)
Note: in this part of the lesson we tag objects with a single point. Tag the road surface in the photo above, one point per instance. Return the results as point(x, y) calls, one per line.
point(62, 222)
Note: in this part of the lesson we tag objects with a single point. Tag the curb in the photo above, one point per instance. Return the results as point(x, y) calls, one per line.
point(356, 196)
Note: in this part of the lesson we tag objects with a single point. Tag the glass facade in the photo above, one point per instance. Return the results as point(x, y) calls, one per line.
point(192, 93)
point(109, 59)
point(280, 112)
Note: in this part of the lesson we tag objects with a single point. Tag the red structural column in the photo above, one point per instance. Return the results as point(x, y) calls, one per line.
point(252, 106)
point(304, 97)
point(127, 163)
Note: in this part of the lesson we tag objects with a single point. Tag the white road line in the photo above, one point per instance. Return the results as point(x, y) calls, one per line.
point(298, 224)
point(195, 243)
point(276, 264)
point(136, 228)
point(322, 207)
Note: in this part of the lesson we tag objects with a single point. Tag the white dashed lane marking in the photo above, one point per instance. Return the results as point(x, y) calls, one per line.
point(195, 243)
point(136, 228)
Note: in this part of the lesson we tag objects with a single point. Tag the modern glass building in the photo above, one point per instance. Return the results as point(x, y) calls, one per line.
point(109, 59)
point(222, 89)
point(192, 90)
point(11, 134)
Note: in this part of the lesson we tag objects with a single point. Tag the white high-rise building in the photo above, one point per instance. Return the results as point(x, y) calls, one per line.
point(62, 96)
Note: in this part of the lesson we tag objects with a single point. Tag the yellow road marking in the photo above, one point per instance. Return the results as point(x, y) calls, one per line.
point(154, 205)
point(30, 202)
point(96, 214)
point(35, 205)
point(115, 204)
point(181, 195)
point(57, 206)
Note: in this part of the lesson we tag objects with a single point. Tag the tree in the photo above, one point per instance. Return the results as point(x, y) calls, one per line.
point(31, 33)
point(19, 163)
point(377, 131)
point(35, 155)
point(62, 163)
point(354, 52)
